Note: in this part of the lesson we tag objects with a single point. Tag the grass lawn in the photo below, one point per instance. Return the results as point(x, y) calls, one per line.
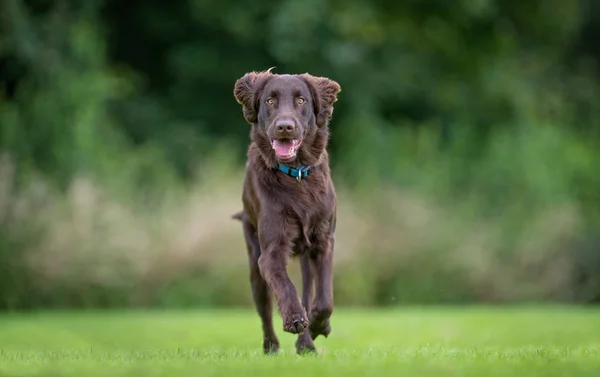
point(469, 341)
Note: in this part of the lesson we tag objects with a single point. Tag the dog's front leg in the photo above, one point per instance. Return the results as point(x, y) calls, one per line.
point(323, 302)
point(304, 344)
point(274, 238)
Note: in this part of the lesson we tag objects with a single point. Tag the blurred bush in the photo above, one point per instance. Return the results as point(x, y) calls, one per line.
point(465, 145)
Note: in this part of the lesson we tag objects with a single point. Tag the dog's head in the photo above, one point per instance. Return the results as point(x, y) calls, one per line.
point(289, 114)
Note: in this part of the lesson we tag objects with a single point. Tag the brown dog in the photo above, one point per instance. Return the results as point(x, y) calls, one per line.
point(289, 200)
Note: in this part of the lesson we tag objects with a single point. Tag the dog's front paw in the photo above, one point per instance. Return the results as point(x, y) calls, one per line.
point(295, 323)
point(317, 328)
point(270, 346)
point(319, 323)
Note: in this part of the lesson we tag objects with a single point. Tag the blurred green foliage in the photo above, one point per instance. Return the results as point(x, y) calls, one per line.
point(487, 108)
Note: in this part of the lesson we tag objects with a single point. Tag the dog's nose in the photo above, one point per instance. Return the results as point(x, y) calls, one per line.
point(285, 126)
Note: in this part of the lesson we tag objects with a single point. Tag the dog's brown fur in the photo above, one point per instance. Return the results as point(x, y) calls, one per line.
point(283, 217)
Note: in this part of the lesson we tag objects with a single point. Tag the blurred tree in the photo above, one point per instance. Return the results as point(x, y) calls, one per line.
point(407, 63)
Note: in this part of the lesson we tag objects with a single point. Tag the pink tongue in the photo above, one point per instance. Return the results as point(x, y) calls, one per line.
point(282, 147)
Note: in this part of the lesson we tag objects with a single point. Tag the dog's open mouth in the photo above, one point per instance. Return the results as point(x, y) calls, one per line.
point(286, 149)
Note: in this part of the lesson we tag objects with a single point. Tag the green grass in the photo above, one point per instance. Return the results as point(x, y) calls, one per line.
point(536, 341)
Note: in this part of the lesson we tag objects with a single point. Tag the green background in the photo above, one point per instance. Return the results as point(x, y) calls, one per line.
point(464, 148)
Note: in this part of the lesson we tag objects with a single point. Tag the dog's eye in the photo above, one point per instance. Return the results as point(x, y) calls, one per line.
point(301, 100)
point(270, 101)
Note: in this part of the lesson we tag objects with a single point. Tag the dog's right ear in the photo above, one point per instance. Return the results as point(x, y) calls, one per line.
point(247, 91)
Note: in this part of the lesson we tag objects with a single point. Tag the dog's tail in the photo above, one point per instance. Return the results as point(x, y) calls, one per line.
point(238, 215)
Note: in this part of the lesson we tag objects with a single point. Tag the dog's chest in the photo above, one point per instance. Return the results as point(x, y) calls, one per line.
point(305, 241)
point(313, 224)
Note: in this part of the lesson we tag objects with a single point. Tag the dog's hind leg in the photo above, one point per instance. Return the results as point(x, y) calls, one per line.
point(260, 290)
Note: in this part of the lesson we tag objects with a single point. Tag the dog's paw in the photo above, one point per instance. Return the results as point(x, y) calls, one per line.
point(317, 328)
point(296, 323)
point(305, 347)
point(270, 346)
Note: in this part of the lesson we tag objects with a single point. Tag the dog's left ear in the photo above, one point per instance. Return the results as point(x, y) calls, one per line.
point(247, 92)
point(324, 92)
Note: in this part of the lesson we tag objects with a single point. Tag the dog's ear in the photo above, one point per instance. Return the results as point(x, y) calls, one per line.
point(247, 92)
point(324, 92)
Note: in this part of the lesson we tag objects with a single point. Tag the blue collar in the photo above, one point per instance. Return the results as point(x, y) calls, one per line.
point(298, 173)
